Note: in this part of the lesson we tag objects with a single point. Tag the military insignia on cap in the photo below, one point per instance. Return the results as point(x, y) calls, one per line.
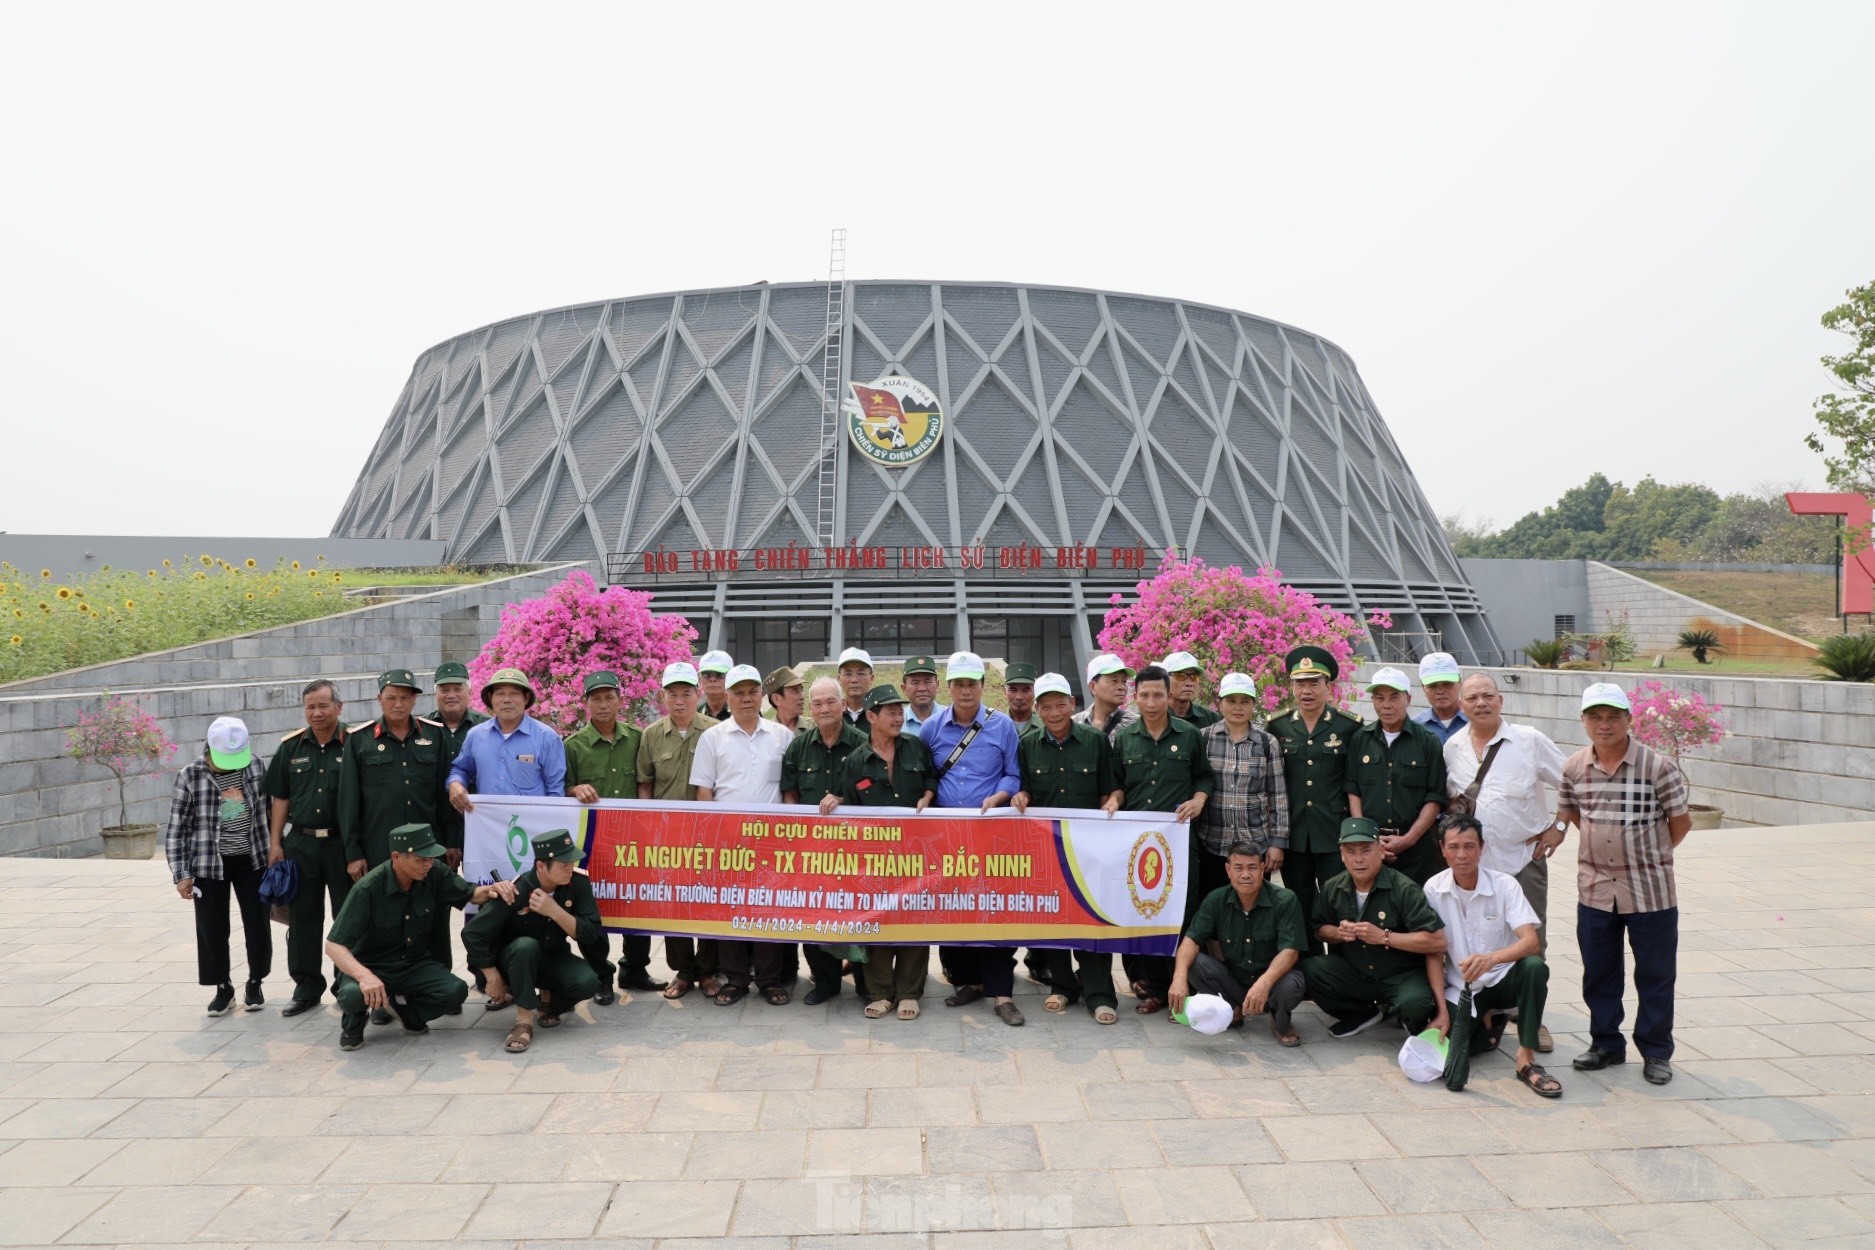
point(1307, 667)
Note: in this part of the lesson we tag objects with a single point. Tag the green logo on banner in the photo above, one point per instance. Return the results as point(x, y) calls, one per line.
point(518, 843)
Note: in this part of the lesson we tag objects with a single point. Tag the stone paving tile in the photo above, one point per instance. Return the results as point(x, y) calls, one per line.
point(1677, 1225)
point(1542, 1230)
point(1307, 1191)
point(39, 1216)
point(1323, 1137)
point(1671, 1174)
point(404, 1212)
point(1810, 1221)
point(1789, 1170)
point(983, 1148)
point(1185, 1142)
point(152, 1214)
point(1552, 1180)
point(540, 1211)
point(1409, 1232)
point(1425, 1186)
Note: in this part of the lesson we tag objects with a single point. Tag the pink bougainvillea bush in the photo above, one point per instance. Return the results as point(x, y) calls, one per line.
point(1672, 721)
point(575, 629)
point(123, 738)
point(1231, 622)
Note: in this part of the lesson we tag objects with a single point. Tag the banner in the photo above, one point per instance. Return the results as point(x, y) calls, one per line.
point(864, 875)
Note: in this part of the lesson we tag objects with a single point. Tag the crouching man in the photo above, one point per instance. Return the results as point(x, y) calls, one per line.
point(382, 944)
point(1491, 945)
point(528, 947)
point(1243, 945)
point(1379, 930)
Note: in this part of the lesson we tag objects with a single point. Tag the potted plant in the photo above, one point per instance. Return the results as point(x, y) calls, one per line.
point(127, 740)
point(1673, 721)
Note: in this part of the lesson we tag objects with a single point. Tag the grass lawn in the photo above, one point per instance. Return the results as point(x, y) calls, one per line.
point(1803, 604)
point(448, 576)
point(1681, 662)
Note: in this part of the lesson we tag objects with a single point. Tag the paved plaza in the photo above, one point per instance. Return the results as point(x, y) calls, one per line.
point(128, 1117)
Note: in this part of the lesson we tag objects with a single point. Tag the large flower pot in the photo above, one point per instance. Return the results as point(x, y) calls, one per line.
point(1705, 817)
point(129, 841)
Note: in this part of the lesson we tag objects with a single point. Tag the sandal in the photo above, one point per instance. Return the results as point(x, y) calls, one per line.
point(1291, 1038)
point(1106, 1015)
point(677, 988)
point(878, 1008)
point(1056, 1003)
point(730, 995)
point(496, 1004)
point(777, 997)
point(711, 986)
point(1494, 1029)
point(1544, 1085)
point(549, 1020)
point(908, 1010)
point(520, 1037)
point(1149, 1004)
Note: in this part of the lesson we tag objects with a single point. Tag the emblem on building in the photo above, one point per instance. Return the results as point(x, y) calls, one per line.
point(894, 421)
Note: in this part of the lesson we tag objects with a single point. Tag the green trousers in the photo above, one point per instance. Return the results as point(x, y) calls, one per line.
point(1086, 976)
point(322, 879)
point(1347, 993)
point(426, 986)
point(896, 973)
point(529, 969)
point(1304, 872)
point(1526, 988)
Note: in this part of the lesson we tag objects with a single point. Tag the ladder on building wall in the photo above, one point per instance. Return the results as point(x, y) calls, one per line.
point(830, 387)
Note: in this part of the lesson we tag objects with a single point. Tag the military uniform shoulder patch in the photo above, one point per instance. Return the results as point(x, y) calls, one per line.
point(426, 720)
point(361, 726)
point(288, 737)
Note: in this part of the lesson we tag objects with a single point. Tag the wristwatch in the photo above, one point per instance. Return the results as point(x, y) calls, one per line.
point(1560, 826)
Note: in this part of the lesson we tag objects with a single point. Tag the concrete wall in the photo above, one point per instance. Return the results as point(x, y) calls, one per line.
point(1523, 598)
point(1657, 615)
point(69, 555)
point(1797, 752)
point(50, 805)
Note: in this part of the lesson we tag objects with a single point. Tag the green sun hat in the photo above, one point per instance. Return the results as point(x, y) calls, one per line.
point(508, 677)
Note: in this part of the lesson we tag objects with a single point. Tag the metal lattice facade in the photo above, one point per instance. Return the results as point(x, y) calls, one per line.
point(693, 420)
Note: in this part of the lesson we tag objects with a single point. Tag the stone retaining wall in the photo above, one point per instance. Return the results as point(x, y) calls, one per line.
point(1657, 615)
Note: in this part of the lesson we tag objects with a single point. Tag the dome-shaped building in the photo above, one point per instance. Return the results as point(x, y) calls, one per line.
point(1027, 452)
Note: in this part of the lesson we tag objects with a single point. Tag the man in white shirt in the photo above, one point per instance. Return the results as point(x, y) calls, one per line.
point(1490, 945)
point(1520, 830)
point(739, 761)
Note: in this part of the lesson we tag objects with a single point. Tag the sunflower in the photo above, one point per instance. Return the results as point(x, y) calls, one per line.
point(44, 606)
point(65, 592)
point(45, 574)
point(84, 607)
point(200, 576)
point(273, 591)
point(296, 566)
point(166, 564)
point(130, 605)
point(318, 594)
point(250, 562)
point(338, 577)
point(208, 562)
point(312, 572)
point(152, 572)
point(19, 613)
point(17, 641)
point(250, 594)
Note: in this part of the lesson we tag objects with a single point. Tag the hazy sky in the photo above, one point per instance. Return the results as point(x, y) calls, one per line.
point(1554, 238)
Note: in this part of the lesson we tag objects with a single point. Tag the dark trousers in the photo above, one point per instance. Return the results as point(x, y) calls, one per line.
point(241, 877)
point(825, 965)
point(772, 963)
point(691, 958)
point(1212, 976)
point(996, 970)
point(1347, 993)
point(428, 989)
point(962, 964)
point(1086, 976)
point(528, 970)
point(634, 955)
point(1526, 989)
point(322, 879)
point(1654, 937)
point(1304, 872)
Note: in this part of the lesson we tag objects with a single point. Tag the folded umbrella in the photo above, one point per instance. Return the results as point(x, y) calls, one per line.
point(1458, 1044)
point(279, 885)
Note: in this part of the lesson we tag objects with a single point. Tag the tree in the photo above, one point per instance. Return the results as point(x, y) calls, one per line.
point(1633, 521)
point(1569, 528)
point(1467, 538)
point(1847, 415)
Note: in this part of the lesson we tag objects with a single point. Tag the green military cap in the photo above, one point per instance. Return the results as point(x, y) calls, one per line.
point(1311, 662)
point(416, 840)
point(601, 680)
point(452, 672)
point(780, 680)
point(1019, 675)
point(1359, 829)
point(880, 696)
point(508, 677)
point(399, 677)
point(557, 844)
point(920, 664)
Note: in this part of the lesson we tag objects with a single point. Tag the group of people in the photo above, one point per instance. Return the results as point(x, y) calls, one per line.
point(1412, 849)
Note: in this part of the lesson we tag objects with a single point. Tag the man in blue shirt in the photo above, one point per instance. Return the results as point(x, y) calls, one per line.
point(973, 749)
point(1439, 678)
point(511, 754)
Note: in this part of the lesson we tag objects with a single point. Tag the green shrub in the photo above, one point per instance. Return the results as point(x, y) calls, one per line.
point(1847, 657)
point(1701, 642)
point(1545, 652)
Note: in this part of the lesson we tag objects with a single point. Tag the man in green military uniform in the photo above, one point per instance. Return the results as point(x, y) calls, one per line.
point(1163, 768)
point(1396, 778)
point(1185, 673)
point(303, 784)
point(1314, 738)
point(1379, 929)
point(382, 942)
point(454, 712)
point(1068, 765)
point(1244, 945)
point(892, 768)
point(810, 771)
point(666, 750)
point(602, 763)
point(522, 944)
point(1019, 697)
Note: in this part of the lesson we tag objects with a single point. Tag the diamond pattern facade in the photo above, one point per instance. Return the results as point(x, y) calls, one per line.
point(693, 420)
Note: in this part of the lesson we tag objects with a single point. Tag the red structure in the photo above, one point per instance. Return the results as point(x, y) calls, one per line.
point(1858, 565)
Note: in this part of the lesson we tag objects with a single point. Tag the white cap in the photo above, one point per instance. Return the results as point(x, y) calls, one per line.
point(227, 743)
point(1104, 663)
point(1436, 668)
point(741, 673)
point(1208, 1013)
point(1392, 678)
point(1237, 683)
point(1181, 662)
point(1052, 683)
point(963, 665)
point(854, 655)
point(1601, 694)
point(680, 674)
point(715, 662)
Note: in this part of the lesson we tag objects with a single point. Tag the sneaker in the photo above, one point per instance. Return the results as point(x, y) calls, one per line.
point(1348, 1028)
point(380, 1015)
point(351, 1039)
point(223, 1002)
point(254, 1000)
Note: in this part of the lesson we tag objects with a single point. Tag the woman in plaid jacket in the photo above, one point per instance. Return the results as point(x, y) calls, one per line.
point(217, 844)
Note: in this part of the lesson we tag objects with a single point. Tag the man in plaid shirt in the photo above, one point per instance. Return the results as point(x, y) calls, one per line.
point(1251, 803)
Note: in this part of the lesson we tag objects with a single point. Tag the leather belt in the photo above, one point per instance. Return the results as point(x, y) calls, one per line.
point(1391, 831)
point(314, 833)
